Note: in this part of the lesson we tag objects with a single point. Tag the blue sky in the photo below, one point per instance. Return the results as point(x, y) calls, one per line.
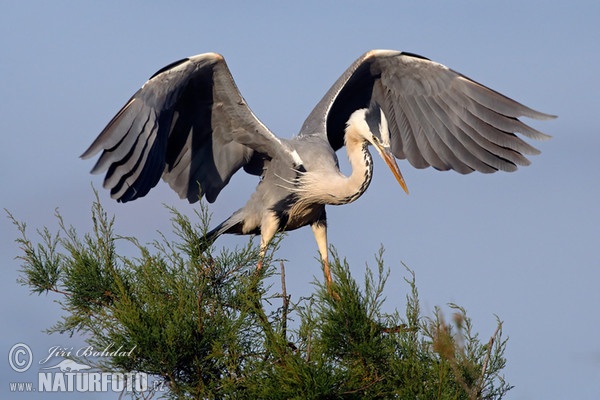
point(522, 245)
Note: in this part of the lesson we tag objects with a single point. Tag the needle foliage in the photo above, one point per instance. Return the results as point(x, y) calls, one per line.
point(210, 327)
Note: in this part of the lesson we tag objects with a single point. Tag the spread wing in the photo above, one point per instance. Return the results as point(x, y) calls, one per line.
point(436, 116)
point(189, 125)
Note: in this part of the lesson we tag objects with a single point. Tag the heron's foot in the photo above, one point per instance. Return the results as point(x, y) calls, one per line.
point(329, 281)
point(333, 293)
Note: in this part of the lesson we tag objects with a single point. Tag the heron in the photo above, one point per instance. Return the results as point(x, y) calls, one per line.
point(190, 126)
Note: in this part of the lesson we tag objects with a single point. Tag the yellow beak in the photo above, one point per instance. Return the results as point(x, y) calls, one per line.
point(390, 160)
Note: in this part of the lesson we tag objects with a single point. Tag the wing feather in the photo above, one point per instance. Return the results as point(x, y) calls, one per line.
point(187, 124)
point(436, 116)
point(480, 158)
point(457, 155)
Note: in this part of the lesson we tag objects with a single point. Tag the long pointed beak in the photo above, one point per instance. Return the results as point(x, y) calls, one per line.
point(390, 160)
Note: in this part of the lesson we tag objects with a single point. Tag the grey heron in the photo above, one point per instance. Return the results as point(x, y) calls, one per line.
point(190, 126)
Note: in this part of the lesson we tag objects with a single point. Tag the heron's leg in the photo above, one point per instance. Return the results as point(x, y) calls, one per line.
point(268, 228)
point(320, 231)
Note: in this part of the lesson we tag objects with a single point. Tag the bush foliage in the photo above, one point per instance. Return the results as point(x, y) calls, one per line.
point(211, 327)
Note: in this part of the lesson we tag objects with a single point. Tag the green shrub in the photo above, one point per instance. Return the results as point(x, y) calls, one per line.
point(207, 325)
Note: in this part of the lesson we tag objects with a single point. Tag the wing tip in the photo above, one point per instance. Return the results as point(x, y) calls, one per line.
point(544, 117)
point(215, 57)
point(380, 52)
point(540, 116)
point(89, 153)
point(534, 114)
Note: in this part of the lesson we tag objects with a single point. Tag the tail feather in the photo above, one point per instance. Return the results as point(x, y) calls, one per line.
point(230, 225)
point(212, 235)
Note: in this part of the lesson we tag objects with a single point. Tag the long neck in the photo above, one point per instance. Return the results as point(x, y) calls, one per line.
point(330, 186)
point(347, 189)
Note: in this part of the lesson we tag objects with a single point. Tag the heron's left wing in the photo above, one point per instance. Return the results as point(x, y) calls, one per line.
point(188, 124)
point(436, 116)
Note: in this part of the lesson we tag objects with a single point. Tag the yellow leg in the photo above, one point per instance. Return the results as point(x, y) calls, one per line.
point(320, 231)
point(268, 228)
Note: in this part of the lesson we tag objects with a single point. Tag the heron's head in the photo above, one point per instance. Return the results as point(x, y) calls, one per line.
point(372, 127)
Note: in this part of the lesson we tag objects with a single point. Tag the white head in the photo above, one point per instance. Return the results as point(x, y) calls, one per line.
point(370, 125)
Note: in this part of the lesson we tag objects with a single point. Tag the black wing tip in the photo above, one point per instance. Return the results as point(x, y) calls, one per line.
point(169, 66)
point(391, 53)
point(214, 56)
point(130, 194)
point(415, 55)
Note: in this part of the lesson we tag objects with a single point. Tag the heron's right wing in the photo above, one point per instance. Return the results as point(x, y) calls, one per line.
point(189, 125)
point(436, 116)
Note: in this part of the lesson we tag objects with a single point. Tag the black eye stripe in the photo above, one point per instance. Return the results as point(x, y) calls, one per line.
point(373, 120)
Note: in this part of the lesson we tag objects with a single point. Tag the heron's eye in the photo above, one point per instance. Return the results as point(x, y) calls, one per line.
point(375, 139)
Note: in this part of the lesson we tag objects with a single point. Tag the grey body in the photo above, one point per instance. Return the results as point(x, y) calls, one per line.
point(190, 126)
point(274, 192)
